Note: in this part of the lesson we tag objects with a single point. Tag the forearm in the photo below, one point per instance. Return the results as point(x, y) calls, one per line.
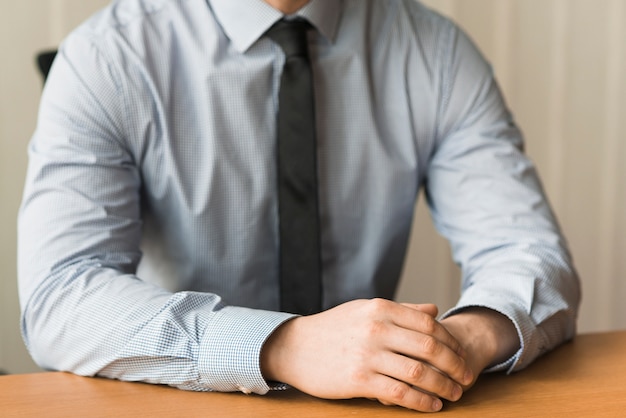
point(84, 322)
point(103, 323)
point(540, 299)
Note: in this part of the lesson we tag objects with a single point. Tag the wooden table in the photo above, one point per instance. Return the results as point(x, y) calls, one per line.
point(585, 378)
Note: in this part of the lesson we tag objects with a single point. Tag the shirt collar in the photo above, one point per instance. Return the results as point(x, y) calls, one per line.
point(245, 21)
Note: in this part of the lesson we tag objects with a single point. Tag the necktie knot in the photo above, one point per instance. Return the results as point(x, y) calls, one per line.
point(291, 36)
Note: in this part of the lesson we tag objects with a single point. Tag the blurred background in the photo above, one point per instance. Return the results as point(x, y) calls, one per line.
point(561, 65)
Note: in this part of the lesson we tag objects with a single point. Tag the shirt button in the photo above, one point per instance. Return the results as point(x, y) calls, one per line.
point(244, 390)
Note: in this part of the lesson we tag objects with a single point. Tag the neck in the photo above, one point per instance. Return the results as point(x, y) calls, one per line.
point(287, 6)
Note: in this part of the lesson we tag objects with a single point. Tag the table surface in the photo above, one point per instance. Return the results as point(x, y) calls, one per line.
point(583, 378)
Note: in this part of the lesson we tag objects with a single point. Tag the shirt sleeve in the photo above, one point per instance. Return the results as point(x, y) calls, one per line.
point(487, 200)
point(84, 309)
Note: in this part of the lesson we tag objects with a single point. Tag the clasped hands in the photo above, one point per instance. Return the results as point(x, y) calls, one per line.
point(396, 353)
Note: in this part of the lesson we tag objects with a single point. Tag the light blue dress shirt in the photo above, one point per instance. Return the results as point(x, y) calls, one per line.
point(148, 243)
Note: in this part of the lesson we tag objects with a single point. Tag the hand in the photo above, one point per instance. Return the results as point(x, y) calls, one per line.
point(396, 353)
point(487, 337)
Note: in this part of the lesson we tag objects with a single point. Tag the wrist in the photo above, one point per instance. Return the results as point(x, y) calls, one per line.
point(488, 336)
point(274, 353)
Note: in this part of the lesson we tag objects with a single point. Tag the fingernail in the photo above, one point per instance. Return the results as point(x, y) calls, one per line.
point(457, 392)
point(468, 377)
point(437, 405)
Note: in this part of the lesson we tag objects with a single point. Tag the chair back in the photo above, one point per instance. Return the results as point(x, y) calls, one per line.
point(44, 62)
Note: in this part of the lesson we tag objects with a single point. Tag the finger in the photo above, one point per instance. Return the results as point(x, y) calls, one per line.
point(390, 391)
point(421, 375)
point(422, 337)
point(415, 320)
point(429, 308)
point(426, 348)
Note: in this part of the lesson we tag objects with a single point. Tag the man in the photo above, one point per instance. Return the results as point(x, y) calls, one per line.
point(149, 231)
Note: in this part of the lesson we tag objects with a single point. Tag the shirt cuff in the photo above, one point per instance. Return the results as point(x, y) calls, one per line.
point(230, 350)
point(528, 333)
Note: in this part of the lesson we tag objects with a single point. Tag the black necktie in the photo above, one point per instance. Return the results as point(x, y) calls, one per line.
point(300, 271)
